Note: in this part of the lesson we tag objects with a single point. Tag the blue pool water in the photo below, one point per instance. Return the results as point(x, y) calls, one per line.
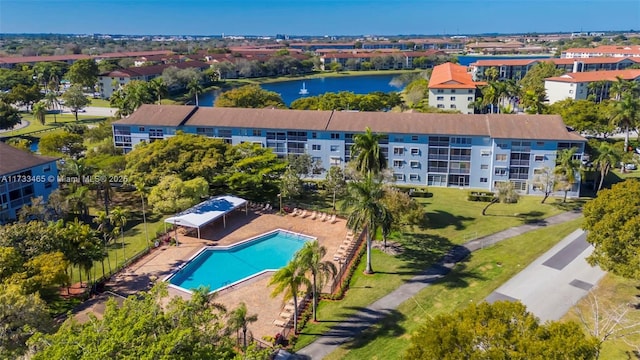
point(218, 268)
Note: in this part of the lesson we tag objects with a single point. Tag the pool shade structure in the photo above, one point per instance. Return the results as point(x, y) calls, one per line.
point(208, 211)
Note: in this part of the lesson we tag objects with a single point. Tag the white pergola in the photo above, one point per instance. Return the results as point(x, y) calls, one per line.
point(208, 211)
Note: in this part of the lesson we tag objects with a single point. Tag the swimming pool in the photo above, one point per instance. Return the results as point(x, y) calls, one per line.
point(223, 266)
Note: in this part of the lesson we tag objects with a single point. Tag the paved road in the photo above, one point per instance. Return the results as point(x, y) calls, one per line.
point(555, 281)
point(375, 312)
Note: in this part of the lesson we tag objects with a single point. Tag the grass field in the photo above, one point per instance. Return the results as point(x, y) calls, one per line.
point(51, 124)
point(470, 281)
point(452, 220)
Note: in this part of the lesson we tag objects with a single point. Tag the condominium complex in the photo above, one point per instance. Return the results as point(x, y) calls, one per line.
point(579, 85)
point(468, 151)
point(452, 88)
point(23, 176)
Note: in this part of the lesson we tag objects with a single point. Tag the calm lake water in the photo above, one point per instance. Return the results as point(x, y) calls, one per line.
point(290, 90)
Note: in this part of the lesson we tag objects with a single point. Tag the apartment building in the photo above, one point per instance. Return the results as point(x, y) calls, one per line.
point(577, 86)
point(452, 88)
point(380, 60)
point(23, 176)
point(619, 51)
point(448, 150)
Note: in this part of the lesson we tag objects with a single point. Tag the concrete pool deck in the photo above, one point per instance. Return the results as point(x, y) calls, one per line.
point(255, 292)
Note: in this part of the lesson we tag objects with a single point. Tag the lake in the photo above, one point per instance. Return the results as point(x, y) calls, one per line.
point(290, 90)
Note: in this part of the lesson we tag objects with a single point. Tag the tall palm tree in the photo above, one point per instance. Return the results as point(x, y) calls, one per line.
point(289, 280)
point(363, 200)
point(489, 95)
point(159, 88)
point(141, 189)
point(367, 154)
point(621, 87)
point(102, 220)
point(625, 114)
point(533, 100)
point(118, 219)
point(194, 87)
point(240, 320)
point(51, 100)
point(310, 257)
point(607, 157)
point(39, 110)
point(566, 170)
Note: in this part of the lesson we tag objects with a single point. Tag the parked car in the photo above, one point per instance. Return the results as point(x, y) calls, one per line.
point(630, 166)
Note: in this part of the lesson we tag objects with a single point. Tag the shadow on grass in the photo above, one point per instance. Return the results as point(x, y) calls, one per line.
point(363, 325)
point(569, 205)
point(422, 251)
point(441, 219)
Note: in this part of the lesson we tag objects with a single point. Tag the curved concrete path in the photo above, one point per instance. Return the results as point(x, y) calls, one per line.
point(376, 311)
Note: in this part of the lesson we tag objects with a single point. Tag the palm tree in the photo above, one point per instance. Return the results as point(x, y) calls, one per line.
point(367, 210)
point(366, 153)
point(566, 169)
point(533, 101)
point(607, 157)
point(78, 200)
point(118, 218)
point(194, 89)
point(102, 219)
point(621, 87)
point(288, 280)
point(140, 188)
point(240, 320)
point(489, 96)
point(39, 110)
point(310, 257)
point(625, 114)
point(85, 244)
point(159, 88)
point(51, 100)
point(505, 193)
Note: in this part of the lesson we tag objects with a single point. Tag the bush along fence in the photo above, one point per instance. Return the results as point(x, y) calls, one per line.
point(483, 196)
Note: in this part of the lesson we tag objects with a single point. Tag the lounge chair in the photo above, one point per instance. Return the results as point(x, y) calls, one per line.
point(282, 323)
point(333, 219)
point(323, 217)
point(304, 214)
point(289, 307)
point(286, 315)
point(314, 215)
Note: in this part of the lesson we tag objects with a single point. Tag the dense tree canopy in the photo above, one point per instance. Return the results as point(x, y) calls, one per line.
point(84, 72)
point(9, 116)
point(613, 224)
point(172, 194)
point(345, 100)
point(584, 116)
point(75, 99)
point(249, 96)
point(57, 143)
point(504, 330)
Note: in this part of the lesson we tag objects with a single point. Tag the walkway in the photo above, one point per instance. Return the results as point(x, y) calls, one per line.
point(375, 312)
point(555, 281)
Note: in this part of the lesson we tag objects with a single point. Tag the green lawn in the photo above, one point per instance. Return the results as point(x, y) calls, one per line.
point(99, 102)
point(470, 281)
point(51, 123)
point(452, 220)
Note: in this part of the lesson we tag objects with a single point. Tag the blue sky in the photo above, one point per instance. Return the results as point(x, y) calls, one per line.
point(315, 17)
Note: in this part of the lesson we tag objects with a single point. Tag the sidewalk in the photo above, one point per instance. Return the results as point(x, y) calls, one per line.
point(375, 312)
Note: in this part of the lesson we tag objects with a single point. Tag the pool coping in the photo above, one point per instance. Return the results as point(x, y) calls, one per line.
point(229, 247)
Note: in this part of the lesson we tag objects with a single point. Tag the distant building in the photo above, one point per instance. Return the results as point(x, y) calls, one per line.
point(24, 176)
point(448, 150)
point(619, 51)
point(452, 88)
point(13, 61)
point(113, 80)
point(576, 85)
point(380, 60)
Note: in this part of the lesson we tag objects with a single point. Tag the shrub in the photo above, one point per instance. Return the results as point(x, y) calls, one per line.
point(483, 196)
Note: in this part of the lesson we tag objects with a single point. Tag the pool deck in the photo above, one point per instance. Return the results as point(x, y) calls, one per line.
point(161, 262)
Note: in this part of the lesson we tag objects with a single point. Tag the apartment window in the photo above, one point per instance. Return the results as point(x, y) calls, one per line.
point(256, 132)
point(501, 157)
point(415, 151)
point(538, 171)
point(48, 185)
point(398, 163)
point(334, 147)
point(398, 177)
point(47, 168)
point(414, 137)
point(502, 145)
point(335, 135)
point(440, 106)
point(538, 158)
point(485, 152)
point(334, 161)
point(452, 106)
point(453, 98)
point(398, 151)
point(224, 133)
point(460, 141)
point(440, 91)
point(440, 98)
point(500, 171)
point(141, 129)
point(316, 147)
point(414, 177)
point(540, 143)
point(453, 91)
point(415, 164)
point(570, 91)
point(314, 135)
point(155, 133)
point(470, 98)
point(483, 180)
point(484, 166)
point(470, 91)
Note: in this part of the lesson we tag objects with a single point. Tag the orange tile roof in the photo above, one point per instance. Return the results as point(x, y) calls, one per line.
point(505, 62)
point(607, 49)
point(451, 76)
point(591, 76)
point(563, 61)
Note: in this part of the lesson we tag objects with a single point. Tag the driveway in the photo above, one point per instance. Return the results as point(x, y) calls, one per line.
point(554, 282)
